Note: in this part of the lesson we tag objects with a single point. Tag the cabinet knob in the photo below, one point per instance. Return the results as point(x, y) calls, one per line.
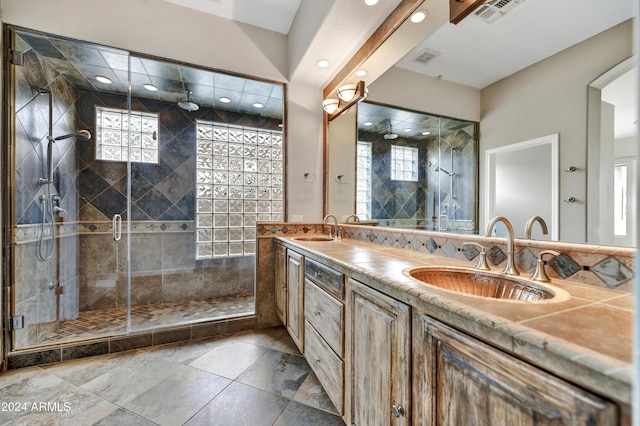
point(316, 312)
point(317, 360)
point(397, 410)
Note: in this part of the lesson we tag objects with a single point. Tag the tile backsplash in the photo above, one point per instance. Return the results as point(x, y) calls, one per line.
point(602, 266)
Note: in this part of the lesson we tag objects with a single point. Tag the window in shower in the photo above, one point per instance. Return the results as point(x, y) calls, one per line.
point(404, 163)
point(116, 129)
point(363, 180)
point(239, 181)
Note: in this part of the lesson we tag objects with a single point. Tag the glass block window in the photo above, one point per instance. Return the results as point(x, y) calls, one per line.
point(363, 180)
point(239, 180)
point(119, 133)
point(404, 163)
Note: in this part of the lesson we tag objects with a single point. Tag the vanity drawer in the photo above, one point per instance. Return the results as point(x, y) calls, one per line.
point(325, 314)
point(326, 278)
point(328, 367)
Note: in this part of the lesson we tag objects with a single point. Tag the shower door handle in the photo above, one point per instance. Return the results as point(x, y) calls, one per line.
point(117, 227)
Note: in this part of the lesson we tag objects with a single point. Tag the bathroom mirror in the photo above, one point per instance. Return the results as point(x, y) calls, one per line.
point(522, 100)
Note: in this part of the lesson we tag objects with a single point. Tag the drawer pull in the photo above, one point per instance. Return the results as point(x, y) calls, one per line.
point(316, 312)
point(397, 410)
point(317, 360)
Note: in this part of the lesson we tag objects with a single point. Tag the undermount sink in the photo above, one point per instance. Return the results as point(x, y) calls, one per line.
point(484, 284)
point(313, 238)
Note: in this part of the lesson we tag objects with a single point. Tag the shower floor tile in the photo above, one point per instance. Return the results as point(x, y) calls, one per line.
point(110, 322)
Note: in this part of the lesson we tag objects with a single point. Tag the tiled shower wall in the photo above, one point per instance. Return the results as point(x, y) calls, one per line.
point(87, 263)
point(420, 204)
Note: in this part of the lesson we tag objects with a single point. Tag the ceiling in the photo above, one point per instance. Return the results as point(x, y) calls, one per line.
point(81, 62)
point(476, 53)
point(273, 15)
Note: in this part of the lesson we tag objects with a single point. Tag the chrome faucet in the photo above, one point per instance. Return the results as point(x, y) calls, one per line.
point(510, 269)
point(333, 233)
point(529, 225)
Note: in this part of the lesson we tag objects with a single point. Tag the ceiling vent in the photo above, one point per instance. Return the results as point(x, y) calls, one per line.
point(425, 56)
point(493, 10)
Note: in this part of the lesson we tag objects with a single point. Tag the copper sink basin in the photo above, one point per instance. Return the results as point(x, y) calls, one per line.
point(312, 238)
point(485, 284)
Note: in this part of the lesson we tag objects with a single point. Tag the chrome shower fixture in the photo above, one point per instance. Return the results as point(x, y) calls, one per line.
point(188, 105)
point(84, 135)
point(438, 168)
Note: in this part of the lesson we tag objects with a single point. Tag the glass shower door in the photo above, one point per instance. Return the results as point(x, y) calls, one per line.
point(66, 270)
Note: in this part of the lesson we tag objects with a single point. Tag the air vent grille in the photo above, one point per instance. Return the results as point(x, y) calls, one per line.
point(426, 56)
point(493, 10)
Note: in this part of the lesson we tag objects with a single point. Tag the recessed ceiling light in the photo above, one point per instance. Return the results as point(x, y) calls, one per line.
point(258, 105)
point(224, 100)
point(323, 63)
point(407, 130)
point(419, 16)
point(426, 133)
point(371, 2)
point(368, 123)
point(361, 73)
point(150, 87)
point(103, 79)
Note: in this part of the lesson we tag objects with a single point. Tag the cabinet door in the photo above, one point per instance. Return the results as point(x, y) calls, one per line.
point(378, 358)
point(295, 298)
point(473, 383)
point(281, 283)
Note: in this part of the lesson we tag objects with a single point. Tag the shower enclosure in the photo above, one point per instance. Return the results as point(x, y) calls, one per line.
point(133, 189)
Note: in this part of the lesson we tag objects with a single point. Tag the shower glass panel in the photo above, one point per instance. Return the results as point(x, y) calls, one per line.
point(135, 206)
point(416, 170)
point(66, 269)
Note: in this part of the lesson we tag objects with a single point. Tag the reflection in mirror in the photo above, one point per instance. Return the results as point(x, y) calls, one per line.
point(416, 170)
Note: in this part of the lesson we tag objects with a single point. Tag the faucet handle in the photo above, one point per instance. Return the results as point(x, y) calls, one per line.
point(329, 231)
point(540, 274)
point(482, 261)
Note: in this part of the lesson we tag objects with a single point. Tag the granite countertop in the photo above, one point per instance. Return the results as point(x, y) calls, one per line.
point(585, 338)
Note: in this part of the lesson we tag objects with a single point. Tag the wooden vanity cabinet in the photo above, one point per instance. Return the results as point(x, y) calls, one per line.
point(324, 328)
point(378, 358)
point(281, 283)
point(459, 380)
point(295, 298)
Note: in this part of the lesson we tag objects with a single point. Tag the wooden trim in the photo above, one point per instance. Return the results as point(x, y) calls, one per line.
point(459, 9)
point(384, 31)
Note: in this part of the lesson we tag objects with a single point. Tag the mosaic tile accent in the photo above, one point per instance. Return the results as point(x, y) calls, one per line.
point(564, 265)
point(612, 272)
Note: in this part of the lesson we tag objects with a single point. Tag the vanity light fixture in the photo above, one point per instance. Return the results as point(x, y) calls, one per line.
point(258, 105)
point(348, 95)
point(419, 16)
point(224, 100)
point(347, 92)
point(330, 105)
point(150, 87)
point(323, 63)
point(103, 79)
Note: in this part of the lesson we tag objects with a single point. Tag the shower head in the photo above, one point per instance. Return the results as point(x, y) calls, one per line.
point(84, 135)
point(188, 105)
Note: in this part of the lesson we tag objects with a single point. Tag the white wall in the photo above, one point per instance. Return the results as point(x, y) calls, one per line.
point(170, 31)
point(408, 89)
point(551, 97)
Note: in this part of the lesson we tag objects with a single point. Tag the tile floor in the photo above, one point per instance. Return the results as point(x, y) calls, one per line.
point(111, 322)
point(249, 378)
